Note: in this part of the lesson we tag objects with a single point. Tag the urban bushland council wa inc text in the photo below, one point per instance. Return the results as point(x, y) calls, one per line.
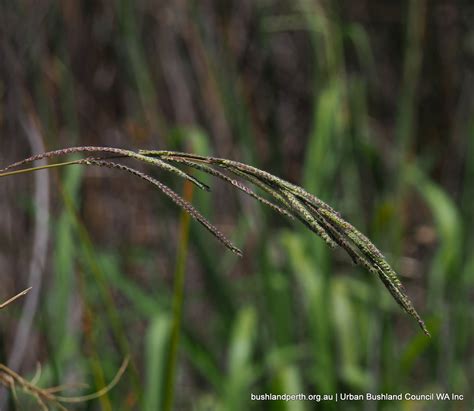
point(438, 396)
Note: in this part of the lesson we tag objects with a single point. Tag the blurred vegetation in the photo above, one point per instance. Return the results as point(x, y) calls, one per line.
point(367, 104)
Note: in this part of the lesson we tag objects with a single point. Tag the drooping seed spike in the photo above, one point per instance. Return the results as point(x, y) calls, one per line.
point(70, 150)
point(235, 183)
point(172, 169)
point(365, 245)
point(275, 193)
point(402, 299)
point(309, 218)
point(298, 191)
point(173, 154)
point(178, 200)
point(354, 247)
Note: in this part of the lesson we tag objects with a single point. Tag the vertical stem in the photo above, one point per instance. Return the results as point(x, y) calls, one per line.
point(406, 121)
point(178, 300)
point(406, 118)
point(91, 346)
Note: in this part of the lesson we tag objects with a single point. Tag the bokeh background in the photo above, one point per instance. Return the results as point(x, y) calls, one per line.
point(367, 104)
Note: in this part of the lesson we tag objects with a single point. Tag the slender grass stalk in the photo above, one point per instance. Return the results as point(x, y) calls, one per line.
point(15, 297)
point(31, 169)
point(178, 302)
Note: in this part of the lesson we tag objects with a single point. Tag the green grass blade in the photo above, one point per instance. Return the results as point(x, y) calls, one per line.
point(156, 357)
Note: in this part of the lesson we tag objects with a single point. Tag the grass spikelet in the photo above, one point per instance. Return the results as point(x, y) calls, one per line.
point(235, 183)
point(305, 215)
point(178, 200)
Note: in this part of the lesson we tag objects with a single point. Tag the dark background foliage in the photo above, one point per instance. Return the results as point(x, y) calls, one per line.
point(367, 104)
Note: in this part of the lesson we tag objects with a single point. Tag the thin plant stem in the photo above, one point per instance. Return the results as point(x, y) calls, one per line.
point(31, 169)
point(178, 301)
point(9, 301)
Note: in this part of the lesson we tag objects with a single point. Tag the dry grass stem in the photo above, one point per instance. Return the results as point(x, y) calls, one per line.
point(47, 396)
point(24, 292)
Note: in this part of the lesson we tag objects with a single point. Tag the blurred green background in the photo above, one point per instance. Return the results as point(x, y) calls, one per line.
point(367, 104)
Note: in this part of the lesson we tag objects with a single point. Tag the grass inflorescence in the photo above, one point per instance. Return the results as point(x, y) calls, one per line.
point(286, 198)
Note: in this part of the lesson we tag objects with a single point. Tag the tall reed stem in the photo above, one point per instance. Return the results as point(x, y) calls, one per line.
point(178, 300)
